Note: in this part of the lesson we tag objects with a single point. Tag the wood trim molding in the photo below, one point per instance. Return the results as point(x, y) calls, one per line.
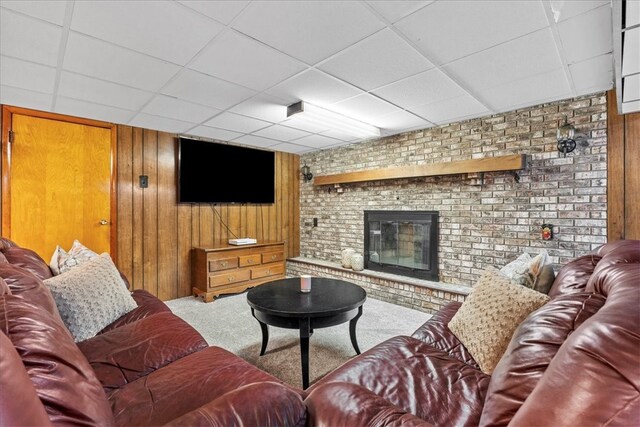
point(487, 164)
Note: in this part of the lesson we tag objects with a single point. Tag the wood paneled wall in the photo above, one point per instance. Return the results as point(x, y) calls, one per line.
point(623, 172)
point(156, 234)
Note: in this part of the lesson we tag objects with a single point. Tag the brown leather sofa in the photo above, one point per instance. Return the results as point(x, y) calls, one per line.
point(573, 362)
point(147, 368)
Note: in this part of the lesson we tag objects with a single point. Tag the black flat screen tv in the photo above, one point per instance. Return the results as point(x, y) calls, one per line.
point(210, 172)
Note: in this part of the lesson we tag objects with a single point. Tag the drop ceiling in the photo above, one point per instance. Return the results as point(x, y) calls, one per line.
point(226, 70)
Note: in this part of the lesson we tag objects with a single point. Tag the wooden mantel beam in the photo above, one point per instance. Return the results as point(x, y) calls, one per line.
point(486, 164)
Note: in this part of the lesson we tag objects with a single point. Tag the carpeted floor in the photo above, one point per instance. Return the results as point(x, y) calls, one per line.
point(227, 323)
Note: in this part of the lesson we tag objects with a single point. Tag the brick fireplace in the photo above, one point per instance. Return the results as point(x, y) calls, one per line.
point(483, 220)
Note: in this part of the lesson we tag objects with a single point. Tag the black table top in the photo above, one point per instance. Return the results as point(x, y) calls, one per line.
point(327, 297)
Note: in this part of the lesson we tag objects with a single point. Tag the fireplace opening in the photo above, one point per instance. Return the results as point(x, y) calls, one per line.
point(402, 242)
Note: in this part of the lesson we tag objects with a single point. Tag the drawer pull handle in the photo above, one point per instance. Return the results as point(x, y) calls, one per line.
point(224, 264)
point(273, 257)
point(231, 278)
point(249, 261)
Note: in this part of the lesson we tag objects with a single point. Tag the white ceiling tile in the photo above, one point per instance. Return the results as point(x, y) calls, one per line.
point(376, 61)
point(526, 56)
point(96, 58)
point(27, 75)
point(165, 106)
point(147, 121)
point(400, 121)
point(424, 88)
point(313, 87)
point(163, 29)
point(631, 49)
point(256, 141)
point(296, 122)
point(258, 67)
point(281, 133)
point(291, 148)
point(631, 88)
point(395, 10)
point(593, 74)
point(203, 89)
point(263, 107)
point(220, 10)
point(563, 10)
point(317, 141)
point(214, 133)
point(308, 30)
point(28, 38)
point(237, 123)
point(74, 107)
point(100, 92)
point(587, 35)
point(25, 98)
point(451, 110)
point(48, 10)
point(364, 107)
point(530, 91)
point(632, 15)
point(448, 30)
point(630, 107)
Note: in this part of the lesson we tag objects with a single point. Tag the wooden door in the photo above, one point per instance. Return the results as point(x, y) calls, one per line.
point(57, 184)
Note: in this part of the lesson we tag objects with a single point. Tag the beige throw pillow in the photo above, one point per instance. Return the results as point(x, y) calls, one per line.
point(486, 321)
point(90, 296)
point(62, 260)
point(535, 273)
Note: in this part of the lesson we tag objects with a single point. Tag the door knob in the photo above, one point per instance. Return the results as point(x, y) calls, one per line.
point(104, 222)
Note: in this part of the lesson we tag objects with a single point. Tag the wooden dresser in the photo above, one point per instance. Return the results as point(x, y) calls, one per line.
point(232, 269)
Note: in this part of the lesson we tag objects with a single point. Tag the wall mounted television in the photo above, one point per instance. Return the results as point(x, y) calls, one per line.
point(210, 172)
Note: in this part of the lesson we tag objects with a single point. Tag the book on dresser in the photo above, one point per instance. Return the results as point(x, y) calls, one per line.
point(230, 269)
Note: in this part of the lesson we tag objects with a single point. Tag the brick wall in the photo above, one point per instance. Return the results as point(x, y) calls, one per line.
point(480, 225)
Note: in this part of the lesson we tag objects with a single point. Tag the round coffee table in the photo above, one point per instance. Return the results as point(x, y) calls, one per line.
point(331, 302)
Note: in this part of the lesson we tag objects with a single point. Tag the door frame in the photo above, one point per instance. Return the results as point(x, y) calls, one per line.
point(7, 119)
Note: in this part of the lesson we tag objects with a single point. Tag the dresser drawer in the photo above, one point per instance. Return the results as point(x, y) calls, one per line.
point(223, 264)
point(228, 278)
point(272, 257)
point(247, 260)
point(266, 271)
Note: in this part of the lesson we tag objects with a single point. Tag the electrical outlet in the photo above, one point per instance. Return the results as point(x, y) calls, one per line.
point(315, 222)
point(144, 181)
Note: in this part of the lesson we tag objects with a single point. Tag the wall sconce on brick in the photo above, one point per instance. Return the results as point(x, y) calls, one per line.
point(306, 172)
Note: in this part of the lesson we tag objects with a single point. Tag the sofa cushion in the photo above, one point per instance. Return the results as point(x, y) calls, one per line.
point(491, 313)
point(574, 275)
point(62, 260)
point(23, 408)
point(63, 379)
point(593, 380)
point(90, 296)
point(418, 379)
point(533, 346)
point(134, 350)
point(183, 386)
point(148, 304)
point(28, 286)
point(532, 272)
point(28, 259)
point(436, 333)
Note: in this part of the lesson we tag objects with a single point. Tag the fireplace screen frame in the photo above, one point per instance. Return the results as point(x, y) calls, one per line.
point(426, 218)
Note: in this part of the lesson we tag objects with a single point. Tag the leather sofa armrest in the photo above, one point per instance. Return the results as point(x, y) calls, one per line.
point(345, 404)
point(257, 404)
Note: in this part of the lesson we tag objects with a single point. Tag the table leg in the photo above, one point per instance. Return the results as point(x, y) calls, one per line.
point(305, 333)
point(352, 330)
point(265, 334)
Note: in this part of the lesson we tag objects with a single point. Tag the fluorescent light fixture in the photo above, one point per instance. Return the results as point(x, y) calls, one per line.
point(319, 116)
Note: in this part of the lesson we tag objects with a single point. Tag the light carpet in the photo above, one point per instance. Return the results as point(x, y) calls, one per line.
point(227, 323)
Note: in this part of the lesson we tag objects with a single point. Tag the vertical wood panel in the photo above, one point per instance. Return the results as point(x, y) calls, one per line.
point(150, 213)
point(615, 170)
point(167, 218)
point(156, 235)
point(632, 176)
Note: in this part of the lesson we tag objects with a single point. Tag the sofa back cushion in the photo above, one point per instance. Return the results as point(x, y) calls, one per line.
point(63, 379)
point(25, 284)
point(593, 379)
point(574, 275)
point(22, 408)
point(28, 259)
point(533, 346)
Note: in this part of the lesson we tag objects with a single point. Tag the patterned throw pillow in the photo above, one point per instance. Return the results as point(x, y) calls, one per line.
point(487, 319)
point(62, 260)
point(90, 296)
point(534, 273)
